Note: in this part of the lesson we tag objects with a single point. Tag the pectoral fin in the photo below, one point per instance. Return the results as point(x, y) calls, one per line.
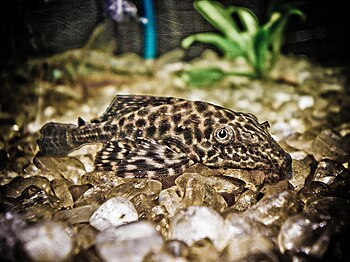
point(141, 158)
point(153, 160)
point(113, 153)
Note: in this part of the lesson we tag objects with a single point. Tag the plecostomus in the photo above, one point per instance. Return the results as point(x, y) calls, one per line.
point(157, 137)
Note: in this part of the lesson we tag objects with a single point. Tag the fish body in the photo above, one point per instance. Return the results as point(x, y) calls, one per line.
point(157, 137)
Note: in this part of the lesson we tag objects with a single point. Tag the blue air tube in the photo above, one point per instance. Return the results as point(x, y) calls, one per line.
point(150, 34)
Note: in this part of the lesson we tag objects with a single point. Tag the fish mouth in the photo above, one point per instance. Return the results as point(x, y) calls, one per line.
point(285, 171)
point(281, 172)
point(256, 177)
point(272, 176)
point(265, 175)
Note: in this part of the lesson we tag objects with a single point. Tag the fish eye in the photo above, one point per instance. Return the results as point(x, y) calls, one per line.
point(224, 134)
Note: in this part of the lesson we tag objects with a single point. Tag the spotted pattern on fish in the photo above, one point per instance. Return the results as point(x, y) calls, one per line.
point(155, 137)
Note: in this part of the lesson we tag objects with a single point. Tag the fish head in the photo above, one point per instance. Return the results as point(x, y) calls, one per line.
point(241, 142)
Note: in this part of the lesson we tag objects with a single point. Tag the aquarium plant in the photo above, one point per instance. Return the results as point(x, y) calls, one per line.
point(242, 36)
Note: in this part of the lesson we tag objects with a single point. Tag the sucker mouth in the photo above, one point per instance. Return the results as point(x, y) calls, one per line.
point(283, 172)
point(278, 171)
point(285, 175)
point(254, 176)
point(286, 171)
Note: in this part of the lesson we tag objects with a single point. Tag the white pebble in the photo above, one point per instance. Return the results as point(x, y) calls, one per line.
point(305, 102)
point(129, 242)
point(49, 111)
point(199, 222)
point(114, 212)
point(46, 242)
point(170, 199)
point(280, 98)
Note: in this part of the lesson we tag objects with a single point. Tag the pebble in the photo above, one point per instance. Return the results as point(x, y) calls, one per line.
point(305, 102)
point(279, 98)
point(198, 192)
point(170, 198)
point(314, 189)
point(143, 205)
point(93, 196)
point(78, 190)
point(275, 209)
point(84, 236)
point(204, 250)
point(47, 241)
point(329, 145)
point(5, 175)
point(341, 184)
point(298, 235)
point(176, 248)
point(15, 188)
point(252, 248)
point(11, 225)
point(133, 187)
point(327, 170)
point(241, 225)
point(226, 187)
point(301, 170)
point(198, 222)
point(302, 141)
point(68, 167)
point(37, 212)
point(98, 178)
point(112, 213)
point(245, 200)
point(61, 189)
point(334, 208)
point(75, 215)
point(130, 242)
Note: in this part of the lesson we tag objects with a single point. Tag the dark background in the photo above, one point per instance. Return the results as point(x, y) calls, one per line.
point(37, 28)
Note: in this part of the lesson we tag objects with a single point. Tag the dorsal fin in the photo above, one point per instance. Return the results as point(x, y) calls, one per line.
point(123, 104)
point(81, 122)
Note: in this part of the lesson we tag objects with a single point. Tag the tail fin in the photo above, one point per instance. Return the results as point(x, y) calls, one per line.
point(54, 140)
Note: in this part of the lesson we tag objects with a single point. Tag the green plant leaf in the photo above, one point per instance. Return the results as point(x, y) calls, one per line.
point(202, 77)
point(276, 27)
point(230, 48)
point(282, 7)
point(221, 18)
point(260, 46)
point(248, 19)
